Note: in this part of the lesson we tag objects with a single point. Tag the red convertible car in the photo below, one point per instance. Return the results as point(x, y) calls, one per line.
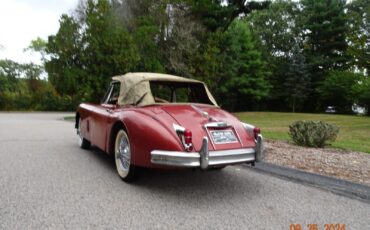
point(164, 121)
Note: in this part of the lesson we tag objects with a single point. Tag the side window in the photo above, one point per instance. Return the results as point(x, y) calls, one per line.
point(112, 94)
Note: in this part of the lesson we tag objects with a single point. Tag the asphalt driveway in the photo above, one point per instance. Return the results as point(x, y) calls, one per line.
point(48, 182)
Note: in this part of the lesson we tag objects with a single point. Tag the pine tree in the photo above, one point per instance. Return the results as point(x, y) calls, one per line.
point(325, 35)
point(325, 46)
point(243, 71)
point(297, 81)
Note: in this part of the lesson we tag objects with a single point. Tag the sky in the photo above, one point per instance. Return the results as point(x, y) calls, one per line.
point(24, 20)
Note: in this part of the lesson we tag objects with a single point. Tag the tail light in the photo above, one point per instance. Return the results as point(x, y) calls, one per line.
point(256, 132)
point(187, 141)
point(186, 137)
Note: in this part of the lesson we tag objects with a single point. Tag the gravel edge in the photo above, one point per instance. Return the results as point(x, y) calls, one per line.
point(334, 185)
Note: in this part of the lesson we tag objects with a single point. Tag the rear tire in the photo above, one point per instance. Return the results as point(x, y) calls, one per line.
point(82, 142)
point(122, 157)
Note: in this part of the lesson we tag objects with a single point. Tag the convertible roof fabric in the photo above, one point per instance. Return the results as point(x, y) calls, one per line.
point(135, 87)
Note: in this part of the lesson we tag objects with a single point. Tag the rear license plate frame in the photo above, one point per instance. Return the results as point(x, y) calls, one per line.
point(220, 139)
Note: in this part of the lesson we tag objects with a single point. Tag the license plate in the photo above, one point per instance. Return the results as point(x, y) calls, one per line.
point(223, 136)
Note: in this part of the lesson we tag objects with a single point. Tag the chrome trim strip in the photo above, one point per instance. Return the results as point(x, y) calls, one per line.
point(204, 154)
point(231, 156)
point(178, 128)
point(175, 158)
point(259, 148)
point(231, 152)
point(205, 158)
point(219, 124)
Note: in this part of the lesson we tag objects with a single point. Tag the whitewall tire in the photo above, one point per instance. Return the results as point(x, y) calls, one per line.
point(82, 142)
point(123, 156)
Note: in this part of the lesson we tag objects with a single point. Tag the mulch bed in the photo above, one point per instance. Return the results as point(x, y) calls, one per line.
point(343, 164)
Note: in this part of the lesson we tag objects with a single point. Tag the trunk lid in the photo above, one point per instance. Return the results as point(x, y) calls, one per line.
point(224, 131)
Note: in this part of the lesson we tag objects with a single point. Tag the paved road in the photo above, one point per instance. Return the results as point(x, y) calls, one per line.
point(47, 182)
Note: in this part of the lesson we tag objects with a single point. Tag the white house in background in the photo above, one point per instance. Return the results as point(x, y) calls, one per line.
point(358, 109)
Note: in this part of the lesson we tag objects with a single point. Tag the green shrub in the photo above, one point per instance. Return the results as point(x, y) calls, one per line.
point(313, 133)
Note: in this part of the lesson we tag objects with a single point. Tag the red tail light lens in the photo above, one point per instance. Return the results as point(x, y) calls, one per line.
point(188, 137)
point(256, 132)
point(185, 136)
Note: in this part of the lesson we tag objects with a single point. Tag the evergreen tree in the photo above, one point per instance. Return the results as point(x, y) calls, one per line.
point(325, 36)
point(297, 81)
point(325, 46)
point(243, 73)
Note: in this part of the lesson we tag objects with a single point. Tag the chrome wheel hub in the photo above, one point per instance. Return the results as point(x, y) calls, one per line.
point(122, 154)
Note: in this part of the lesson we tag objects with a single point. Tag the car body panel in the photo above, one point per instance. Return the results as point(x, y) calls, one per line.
point(151, 129)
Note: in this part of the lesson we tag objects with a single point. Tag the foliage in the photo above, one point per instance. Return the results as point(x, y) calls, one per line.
point(324, 22)
point(277, 32)
point(352, 135)
point(183, 45)
point(21, 88)
point(38, 45)
point(359, 34)
point(243, 76)
point(332, 39)
point(206, 62)
point(85, 53)
point(220, 14)
point(65, 68)
point(313, 133)
point(281, 55)
point(362, 92)
point(110, 49)
point(338, 89)
point(297, 81)
point(324, 29)
point(276, 27)
point(145, 32)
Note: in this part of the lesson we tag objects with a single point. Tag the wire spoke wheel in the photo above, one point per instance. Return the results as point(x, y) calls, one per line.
point(122, 156)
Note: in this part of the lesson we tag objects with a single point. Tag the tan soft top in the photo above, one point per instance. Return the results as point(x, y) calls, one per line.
point(135, 87)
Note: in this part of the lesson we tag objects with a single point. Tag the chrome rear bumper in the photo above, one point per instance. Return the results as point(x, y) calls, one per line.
point(205, 158)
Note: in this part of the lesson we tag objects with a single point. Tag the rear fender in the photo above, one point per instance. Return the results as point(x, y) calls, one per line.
point(147, 134)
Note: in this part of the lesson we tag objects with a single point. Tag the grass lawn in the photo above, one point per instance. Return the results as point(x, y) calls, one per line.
point(354, 131)
point(69, 118)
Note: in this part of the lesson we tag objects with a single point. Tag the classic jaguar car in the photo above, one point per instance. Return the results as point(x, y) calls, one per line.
point(164, 121)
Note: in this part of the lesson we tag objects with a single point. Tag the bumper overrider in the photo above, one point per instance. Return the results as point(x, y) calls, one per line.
point(205, 158)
